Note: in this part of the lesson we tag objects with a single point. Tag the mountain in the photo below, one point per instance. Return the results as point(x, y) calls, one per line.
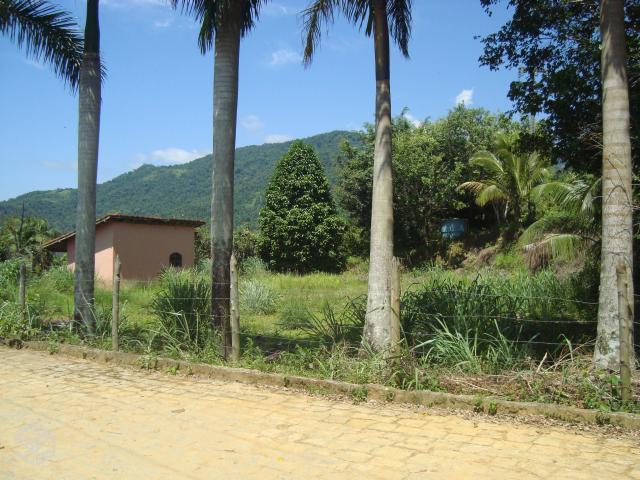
point(181, 191)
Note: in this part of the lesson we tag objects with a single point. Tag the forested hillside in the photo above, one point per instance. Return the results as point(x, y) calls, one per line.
point(177, 190)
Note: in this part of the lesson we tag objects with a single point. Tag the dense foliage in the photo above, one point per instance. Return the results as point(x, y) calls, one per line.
point(182, 191)
point(299, 224)
point(430, 161)
point(555, 44)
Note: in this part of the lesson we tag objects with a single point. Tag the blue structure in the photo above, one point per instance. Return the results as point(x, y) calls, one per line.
point(453, 228)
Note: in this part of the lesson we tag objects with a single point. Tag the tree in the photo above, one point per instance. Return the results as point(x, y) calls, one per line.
point(46, 34)
point(508, 182)
point(382, 18)
point(224, 23)
point(569, 224)
point(300, 229)
point(555, 47)
point(23, 237)
point(617, 209)
point(90, 99)
point(430, 160)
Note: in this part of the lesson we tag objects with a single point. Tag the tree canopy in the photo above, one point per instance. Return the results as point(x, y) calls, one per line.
point(299, 224)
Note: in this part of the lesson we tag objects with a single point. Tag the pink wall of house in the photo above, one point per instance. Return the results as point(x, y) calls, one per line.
point(104, 253)
point(144, 249)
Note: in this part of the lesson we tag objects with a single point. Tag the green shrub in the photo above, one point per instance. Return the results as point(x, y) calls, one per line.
point(9, 272)
point(330, 327)
point(182, 307)
point(300, 229)
point(252, 266)
point(256, 297)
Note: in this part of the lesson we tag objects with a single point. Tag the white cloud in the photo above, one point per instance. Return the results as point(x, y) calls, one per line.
point(54, 165)
point(251, 122)
point(162, 23)
point(277, 138)
point(168, 156)
point(412, 119)
point(34, 64)
point(465, 97)
point(284, 56)
point(277, 10)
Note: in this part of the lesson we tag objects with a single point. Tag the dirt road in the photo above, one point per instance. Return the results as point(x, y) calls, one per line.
point(63, 418)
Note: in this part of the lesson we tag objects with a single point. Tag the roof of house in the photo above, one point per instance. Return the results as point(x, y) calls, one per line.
point(59, 244)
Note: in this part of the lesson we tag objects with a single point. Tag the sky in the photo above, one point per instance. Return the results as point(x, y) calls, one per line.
point(158, 94)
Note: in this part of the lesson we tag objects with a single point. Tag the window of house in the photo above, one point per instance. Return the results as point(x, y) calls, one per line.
point(175, 259)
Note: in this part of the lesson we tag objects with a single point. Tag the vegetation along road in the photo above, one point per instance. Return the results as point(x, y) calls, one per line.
point(65, 418)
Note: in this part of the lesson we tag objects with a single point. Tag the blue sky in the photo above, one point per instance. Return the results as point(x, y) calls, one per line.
point(157, 99)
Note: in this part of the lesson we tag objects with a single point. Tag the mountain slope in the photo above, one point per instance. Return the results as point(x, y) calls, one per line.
point(177, 190)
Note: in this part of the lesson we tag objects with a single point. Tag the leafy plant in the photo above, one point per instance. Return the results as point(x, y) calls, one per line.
point(256, 297)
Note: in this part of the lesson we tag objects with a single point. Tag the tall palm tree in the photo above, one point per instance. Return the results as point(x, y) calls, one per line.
point(509, 181)
point(224, 23)
point(90, 87)
point(617, 225)
point(382, 18)
point(46, 33)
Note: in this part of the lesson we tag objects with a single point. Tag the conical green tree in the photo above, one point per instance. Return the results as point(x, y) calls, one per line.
point(224, 23)
point(300, 228)
point(382, 19)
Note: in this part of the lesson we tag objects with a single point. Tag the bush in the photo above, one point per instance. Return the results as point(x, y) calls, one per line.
point(300, 228)
point(519, 307)
point(256, 297)
point(252, 266)
point(182, 306)
point(9, 272)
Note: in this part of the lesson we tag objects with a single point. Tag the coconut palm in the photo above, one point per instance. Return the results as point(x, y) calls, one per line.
point(223, 24)
point(617, 224)
point(45, 33)
point(381, 18)
point(570, 224)
point(508, 182)
point(89, 99)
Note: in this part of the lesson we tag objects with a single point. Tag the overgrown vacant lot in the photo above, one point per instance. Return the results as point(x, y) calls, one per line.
point(505, 333)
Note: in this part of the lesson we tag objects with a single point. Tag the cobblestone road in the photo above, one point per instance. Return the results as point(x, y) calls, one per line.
point(63, 418)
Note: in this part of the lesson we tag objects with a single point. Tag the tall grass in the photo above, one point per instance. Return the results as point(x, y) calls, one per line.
point(519, 306)
point(182, 308)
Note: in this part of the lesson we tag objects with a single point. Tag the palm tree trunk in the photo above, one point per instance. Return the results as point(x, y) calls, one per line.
point(88, 137)
point(377, 329)
point(225, 108)
point(617, 227)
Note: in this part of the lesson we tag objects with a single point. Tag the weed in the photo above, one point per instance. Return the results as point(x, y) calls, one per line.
point(256, 297)
point(359, 394)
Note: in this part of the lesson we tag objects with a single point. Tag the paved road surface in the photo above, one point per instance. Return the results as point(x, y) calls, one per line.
point(63, 418)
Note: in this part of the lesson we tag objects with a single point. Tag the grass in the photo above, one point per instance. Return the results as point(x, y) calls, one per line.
point(464, 332)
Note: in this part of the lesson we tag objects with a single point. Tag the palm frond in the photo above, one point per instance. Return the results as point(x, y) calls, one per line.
point(491, 194)
point(319, 13)
point(558, 245)
point(46, 34)
point(211, 14)
point(488, 161)
point(399, 12)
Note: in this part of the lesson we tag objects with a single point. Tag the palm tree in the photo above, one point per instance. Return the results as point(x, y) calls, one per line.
point(224, 23)
point(382, 18)
point(510, 179)
point(617, 225)
point(570, 224)
point(46, 33)
point(90, 87)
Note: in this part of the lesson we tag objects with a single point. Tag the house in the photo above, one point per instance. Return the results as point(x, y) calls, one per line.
point(145, 245)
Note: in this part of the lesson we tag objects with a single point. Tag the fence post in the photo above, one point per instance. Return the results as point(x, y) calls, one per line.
point(624, 315)
point(395, 301)
point(115, 312)
point(235, 311)
point(22, 290)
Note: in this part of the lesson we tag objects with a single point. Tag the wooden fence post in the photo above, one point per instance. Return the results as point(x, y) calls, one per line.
point(395, 301)
point(22, 290)
point(624, 314)
point(115, 312)
point(235, 311)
